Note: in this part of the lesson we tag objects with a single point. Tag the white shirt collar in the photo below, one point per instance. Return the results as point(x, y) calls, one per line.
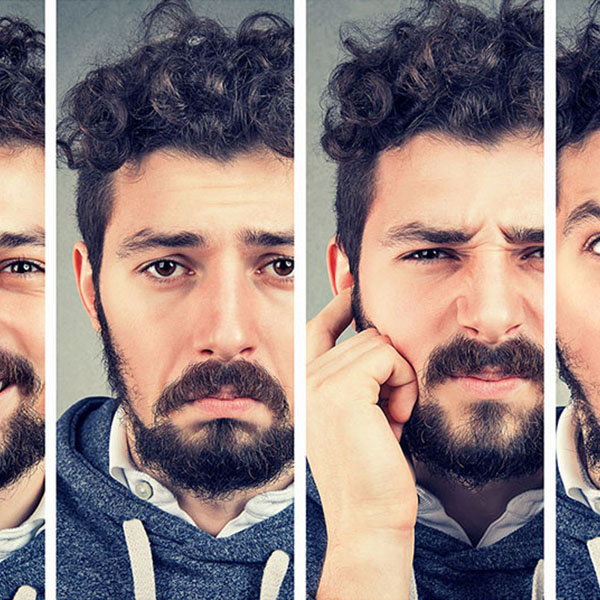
point(519, 510)
point(575, 478)
point(15, 538)
point(144, 486)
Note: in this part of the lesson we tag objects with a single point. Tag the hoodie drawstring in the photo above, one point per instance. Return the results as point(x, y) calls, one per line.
point(273, 574)
point(25, 592)
point(594, 550)
point(140, 557)
point(412, 592)
point(537, 589)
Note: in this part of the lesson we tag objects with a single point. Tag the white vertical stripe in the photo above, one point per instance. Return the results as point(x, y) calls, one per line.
point(50, 278)
point(300, 298)
point(550, 298)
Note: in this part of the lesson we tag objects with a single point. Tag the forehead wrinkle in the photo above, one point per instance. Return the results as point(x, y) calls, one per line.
point(148, 238)
point(15, 239)
point(587, 211)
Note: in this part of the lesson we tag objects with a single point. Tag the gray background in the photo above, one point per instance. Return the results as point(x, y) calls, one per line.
point(31, 10)
point(89, 32)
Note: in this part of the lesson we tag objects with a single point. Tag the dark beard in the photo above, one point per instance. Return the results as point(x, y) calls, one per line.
point(220, 456)
point(587, 421)
point(481, 449)
point(22, 439)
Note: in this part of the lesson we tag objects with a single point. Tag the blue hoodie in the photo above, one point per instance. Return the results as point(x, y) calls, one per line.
point(446, 568)
point(113, 545)
point(22, 569)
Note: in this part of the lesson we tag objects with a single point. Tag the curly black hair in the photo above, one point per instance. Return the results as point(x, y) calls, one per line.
point(21, 84)
point(191, 86)
point(447, 68)
point(578, 84)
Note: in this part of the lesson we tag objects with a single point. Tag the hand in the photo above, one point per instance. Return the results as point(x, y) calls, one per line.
point(366, 484)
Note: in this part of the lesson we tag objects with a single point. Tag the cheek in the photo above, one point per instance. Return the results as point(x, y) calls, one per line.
point(415, 317)
point(28, 331)
point(578, 321)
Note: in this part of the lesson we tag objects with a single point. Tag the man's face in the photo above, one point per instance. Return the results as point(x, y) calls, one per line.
point(21, 311)
point(452, 261)
point(197, 292)
point(578, 278)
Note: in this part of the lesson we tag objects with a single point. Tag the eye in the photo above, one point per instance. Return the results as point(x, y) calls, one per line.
point(282, 267)
point(165, 269)
point(593, 246)
point(428, 254)
point(22, 267)
point(534, 253)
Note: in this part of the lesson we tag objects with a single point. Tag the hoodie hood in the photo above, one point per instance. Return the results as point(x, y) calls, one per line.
point(94, 511)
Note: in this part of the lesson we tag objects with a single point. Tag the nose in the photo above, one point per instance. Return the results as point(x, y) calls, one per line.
point(491, 304)
point(226, 324)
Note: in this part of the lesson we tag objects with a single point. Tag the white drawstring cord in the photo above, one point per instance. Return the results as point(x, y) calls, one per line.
point(537, 589)
point(25, 592)
point(273, 574)
point(140, 557)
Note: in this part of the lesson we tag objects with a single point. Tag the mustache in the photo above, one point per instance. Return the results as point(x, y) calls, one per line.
point(17, 370)
point(242, 378)
point(463, 357)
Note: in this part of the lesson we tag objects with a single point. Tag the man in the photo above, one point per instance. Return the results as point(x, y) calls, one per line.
point(182, 486)
point(578, 227)
point(438, 260)
point(21, 310)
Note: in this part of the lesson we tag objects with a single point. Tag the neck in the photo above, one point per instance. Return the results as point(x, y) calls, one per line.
point(19, 500)
point(592, 466)
point(475, 509)
point(212, 515)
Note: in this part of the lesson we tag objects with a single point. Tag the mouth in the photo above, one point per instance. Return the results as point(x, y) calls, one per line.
point(226, 403)
point(489, 384)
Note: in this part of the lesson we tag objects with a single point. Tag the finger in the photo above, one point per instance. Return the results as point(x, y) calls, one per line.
point(402, 400)
point(327, 326)
point(346, 352)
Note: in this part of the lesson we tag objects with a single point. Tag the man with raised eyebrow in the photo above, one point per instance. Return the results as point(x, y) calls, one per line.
point(425, 430)
point(578, 284)
point(22, 269)
point(183, 483)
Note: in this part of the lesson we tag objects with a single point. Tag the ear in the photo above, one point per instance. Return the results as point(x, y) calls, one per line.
point(338, 268)
point(85, 282)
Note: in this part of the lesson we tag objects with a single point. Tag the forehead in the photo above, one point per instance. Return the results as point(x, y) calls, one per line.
point(446, 182)
point(579, 175)
point(22, 189)
point(172, 190)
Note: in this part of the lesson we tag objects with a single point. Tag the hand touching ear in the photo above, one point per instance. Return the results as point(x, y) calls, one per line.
point(359, 395)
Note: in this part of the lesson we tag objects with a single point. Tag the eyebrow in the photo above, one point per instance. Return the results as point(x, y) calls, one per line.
point(584, 212)
point(257, 238)
point(523, 235)
point(15, 239)
point(417, 232)
point(146, 239)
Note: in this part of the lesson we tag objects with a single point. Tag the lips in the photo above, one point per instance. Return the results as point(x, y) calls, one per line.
point(489, 374)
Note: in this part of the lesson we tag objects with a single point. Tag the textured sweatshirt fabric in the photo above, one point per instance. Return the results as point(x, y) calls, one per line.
point(446, 568)
point(24, 569)
point(113, 545)
point(577, 545)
